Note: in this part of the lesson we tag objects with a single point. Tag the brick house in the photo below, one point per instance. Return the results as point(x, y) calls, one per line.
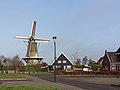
point(110, 61)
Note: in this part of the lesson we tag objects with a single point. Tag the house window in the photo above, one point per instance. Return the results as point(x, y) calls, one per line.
point(113, 67)
point(59, 61)
point(106, 68)
point(53, 67)
point(64, 61)
point(68, 66)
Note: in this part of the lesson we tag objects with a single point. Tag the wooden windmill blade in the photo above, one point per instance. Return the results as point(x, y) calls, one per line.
point(21, 38)
point(41, 40)
point(28, 49)
point(33, 30)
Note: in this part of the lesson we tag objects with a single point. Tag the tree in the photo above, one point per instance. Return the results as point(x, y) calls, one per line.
point(75, 58)
point(84, 61)
point(2, 57)
point(16, 63)
point(94, 66)
point(7, 61)
point(78, 61)
point(35, 68)
point(29, 69)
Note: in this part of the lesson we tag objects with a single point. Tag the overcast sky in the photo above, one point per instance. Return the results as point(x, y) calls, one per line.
point(88, 27)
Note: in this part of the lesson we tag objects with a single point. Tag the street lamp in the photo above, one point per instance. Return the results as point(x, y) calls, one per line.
point(54, 41)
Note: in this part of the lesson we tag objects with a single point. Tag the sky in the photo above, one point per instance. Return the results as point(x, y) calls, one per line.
point(85, 27)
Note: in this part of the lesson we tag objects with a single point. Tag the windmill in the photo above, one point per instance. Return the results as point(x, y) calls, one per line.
point(32, 56)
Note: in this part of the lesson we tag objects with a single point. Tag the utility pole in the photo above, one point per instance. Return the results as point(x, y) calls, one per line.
point(54, 42)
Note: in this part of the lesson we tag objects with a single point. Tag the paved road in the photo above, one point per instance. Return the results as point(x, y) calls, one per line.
point(77, 83)
point(35, 81)
point(0, 82)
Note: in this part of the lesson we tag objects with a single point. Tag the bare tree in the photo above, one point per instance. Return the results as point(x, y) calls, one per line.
point(7, 61)
point(78, 61)
point(16, 63)
point(75, 58)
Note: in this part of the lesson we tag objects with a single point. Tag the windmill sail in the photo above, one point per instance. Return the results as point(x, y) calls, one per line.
point(22, 38)
point(33, 29)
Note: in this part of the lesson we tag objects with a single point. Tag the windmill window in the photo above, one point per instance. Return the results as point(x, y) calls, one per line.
point(59, 61)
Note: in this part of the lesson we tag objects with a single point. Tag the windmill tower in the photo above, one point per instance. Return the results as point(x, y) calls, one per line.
point(32, 56)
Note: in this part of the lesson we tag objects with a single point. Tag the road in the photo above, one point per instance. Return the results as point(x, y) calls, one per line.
point(77, 83)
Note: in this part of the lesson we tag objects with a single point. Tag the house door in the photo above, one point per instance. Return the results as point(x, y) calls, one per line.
point(64, 67)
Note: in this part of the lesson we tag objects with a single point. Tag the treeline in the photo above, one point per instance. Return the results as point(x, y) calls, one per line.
point(85, 62)
point(16, 64)
point(10, 63)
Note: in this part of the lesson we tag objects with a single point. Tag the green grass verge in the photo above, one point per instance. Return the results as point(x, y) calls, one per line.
point(13, 76)
point(27, 88)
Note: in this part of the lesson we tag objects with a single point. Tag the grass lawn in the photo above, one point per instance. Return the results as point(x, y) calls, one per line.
point(27, 88)
point(13, 76)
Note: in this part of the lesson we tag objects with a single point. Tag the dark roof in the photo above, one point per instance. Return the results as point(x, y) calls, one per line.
point(112, 56)
point(62, 56)
point(118, 51)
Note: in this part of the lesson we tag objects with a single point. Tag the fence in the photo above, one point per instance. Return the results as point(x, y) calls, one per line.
point(90, 73)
